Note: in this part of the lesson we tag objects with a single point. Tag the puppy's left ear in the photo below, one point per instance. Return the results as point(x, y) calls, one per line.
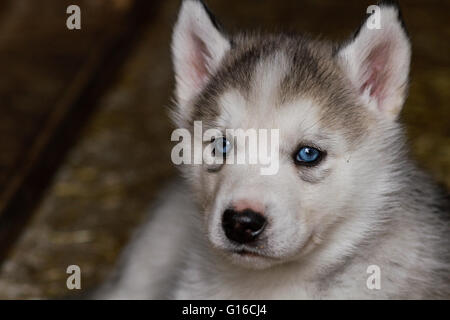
point(377, 61)
point(198, 47)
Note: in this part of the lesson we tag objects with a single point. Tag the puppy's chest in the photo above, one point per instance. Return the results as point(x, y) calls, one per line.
point(196, 283)
point(213, 289)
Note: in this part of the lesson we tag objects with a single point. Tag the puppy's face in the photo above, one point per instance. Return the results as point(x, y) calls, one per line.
point(332, 112)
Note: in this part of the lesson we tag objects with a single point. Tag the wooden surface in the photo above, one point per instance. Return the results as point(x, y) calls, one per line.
point(50, 86)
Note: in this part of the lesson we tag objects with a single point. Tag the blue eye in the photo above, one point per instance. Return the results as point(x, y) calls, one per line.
point(308, 155)
point(222, 146)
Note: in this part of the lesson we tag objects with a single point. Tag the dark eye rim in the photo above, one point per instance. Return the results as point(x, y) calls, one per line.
point(213, 139)
point(322, 155)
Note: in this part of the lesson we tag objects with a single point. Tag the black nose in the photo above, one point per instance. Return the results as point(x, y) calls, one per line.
point(243, 226)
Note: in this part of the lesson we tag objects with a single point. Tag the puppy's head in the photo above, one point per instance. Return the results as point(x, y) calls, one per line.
point(338, 146)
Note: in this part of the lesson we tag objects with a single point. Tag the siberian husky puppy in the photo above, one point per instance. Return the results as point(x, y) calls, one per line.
point(347, 215)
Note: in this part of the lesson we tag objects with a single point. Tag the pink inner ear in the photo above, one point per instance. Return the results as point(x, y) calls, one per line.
point(198, 56)
point(377, 72)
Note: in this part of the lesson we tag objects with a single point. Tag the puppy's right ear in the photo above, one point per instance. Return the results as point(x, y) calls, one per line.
point(377, 62)
point(197, 49)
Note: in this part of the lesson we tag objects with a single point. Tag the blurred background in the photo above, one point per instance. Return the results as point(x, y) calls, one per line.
point(84, 135)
